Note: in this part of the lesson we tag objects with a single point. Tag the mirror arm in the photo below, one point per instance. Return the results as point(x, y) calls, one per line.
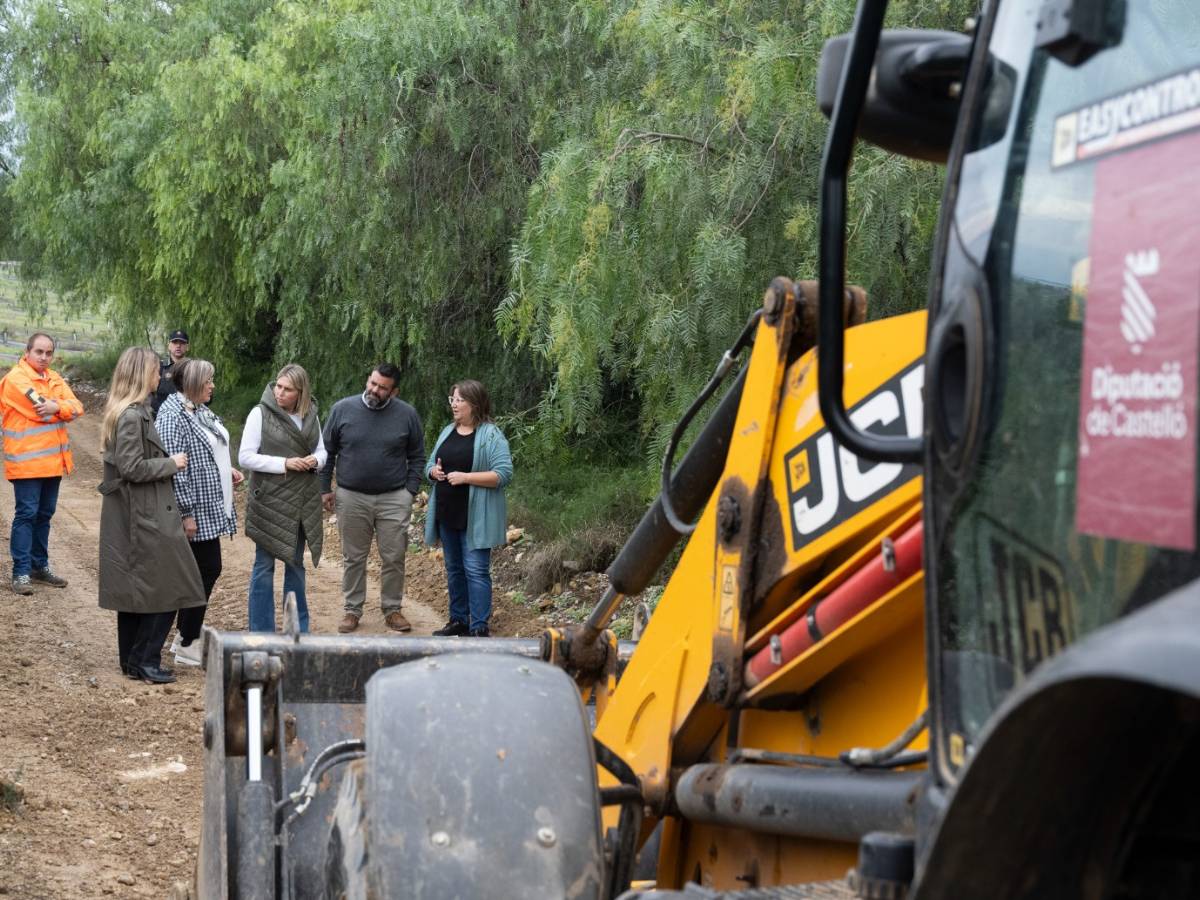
point(835, 167)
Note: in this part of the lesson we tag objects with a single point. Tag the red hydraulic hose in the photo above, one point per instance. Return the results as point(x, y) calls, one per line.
point(843, 603)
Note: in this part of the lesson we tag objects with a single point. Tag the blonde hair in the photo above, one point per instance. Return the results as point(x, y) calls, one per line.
point(299, 379)
point(135, 376)
point(190, 377)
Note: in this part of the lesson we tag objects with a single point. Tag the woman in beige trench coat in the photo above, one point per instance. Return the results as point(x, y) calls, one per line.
point(147, 570)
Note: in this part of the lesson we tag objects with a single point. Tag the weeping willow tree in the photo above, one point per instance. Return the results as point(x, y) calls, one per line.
point(295, 181)
point(395, 227)
point(8, 165)
point(688, 179)
point(578, 202)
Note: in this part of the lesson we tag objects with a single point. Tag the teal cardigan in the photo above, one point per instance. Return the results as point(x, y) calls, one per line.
point(487, 514)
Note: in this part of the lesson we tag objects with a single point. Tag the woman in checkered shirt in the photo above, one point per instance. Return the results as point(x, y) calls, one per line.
point(203, 491)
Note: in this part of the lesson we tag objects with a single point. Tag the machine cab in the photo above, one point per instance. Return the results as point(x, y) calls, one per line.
point(1064, 338)
point(1061, 454)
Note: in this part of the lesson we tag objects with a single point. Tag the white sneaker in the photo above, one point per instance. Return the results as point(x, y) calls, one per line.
point(189, 655)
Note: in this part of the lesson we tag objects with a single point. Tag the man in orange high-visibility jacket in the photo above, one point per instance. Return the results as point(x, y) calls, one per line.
point(37, 404)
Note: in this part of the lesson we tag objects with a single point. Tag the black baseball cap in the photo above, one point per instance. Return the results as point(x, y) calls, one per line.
point(178, 335)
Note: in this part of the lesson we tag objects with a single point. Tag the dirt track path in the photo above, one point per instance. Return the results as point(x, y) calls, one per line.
point(111, 768)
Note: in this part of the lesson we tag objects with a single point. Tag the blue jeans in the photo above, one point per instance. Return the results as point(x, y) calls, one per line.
point(35, 502)
point(469, 578)
point(262, 588)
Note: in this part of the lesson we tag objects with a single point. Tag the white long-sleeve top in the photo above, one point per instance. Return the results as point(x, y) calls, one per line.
point(250, 458)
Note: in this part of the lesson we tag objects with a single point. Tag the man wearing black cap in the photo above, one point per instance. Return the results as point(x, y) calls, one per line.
point(177, 347)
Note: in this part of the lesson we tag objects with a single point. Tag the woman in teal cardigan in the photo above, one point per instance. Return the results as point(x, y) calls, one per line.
point(470, 466)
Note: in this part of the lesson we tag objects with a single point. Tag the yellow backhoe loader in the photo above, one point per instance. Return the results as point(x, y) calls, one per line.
point(935, 632)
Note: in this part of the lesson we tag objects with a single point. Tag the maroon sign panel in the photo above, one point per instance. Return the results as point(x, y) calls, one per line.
point(1137, 402)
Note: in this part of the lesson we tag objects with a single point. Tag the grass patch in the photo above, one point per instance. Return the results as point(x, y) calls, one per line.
point(95, 367)
point(76, 331)
point(560, 500)
point(12, 794)
point(579, 516)
point(83, 339)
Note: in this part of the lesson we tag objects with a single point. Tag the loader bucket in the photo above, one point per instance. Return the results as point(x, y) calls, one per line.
point(270, 789)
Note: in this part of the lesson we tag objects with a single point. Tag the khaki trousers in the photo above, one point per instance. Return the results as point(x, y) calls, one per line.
point(384, 517)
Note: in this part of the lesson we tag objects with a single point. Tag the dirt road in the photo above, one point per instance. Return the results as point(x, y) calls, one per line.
point(111, 768)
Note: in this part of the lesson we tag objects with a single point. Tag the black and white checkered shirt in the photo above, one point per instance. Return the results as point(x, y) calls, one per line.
point(198, 486)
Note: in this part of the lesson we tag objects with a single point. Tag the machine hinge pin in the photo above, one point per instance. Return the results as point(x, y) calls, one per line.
point(546, 836)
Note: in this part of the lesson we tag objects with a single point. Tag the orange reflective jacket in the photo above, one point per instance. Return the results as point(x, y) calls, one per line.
point(36, 446)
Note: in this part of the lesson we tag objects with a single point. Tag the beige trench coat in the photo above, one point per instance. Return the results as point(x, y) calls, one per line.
point(146, 565)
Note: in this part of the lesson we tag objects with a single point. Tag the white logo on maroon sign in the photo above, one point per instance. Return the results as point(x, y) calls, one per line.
point(1136, 475)
point(1137, 310)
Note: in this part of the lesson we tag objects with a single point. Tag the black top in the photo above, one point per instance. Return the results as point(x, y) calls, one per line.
point(166, 387)
point(457, 454)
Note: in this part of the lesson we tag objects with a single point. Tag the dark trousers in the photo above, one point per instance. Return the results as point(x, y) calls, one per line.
point(140, 638)
point(208, 560)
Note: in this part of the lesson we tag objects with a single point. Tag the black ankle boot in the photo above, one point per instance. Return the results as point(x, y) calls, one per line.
point(153, 675)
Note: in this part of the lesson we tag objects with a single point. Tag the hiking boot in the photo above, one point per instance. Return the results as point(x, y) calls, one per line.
point(348, 624)
point(22, 585)
point(46, 576)
point(453, 628)
point(396, 621)
point(480, 631)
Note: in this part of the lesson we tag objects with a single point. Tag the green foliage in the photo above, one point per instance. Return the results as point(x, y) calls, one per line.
point(578, 203)
point(689, 179)
point(95, 367)
point(8, 132)
point(564, 497)
point(12, 792)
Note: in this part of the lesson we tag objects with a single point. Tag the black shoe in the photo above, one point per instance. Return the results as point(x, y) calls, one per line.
point(152, 674)
point(452, 628)
point(480, 631)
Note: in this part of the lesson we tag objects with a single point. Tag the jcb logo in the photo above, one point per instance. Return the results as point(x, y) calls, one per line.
point(828, 484)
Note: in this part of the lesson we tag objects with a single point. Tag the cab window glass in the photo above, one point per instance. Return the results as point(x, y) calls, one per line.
point(1016, 581)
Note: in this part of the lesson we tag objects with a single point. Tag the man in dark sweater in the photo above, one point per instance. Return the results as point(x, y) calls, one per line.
point(377, 447)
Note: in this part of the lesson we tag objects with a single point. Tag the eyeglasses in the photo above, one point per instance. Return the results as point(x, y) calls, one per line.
point(454, 401)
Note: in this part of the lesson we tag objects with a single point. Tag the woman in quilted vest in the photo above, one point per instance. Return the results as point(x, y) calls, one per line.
point(283, 449)
point(203, 491)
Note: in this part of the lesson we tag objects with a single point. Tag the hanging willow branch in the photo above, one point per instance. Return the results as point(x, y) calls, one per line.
point(767, 183)
point(628, 137)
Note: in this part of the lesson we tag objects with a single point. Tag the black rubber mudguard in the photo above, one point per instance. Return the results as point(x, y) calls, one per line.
point(479, 781)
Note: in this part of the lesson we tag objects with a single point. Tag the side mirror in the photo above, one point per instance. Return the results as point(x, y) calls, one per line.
point(912, 101)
